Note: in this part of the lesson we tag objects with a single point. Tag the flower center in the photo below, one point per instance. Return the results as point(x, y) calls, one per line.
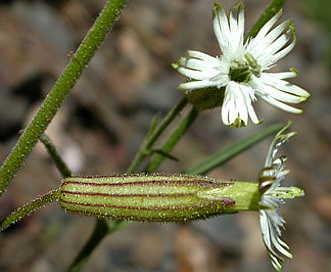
point(241, 71)
point(254, 67)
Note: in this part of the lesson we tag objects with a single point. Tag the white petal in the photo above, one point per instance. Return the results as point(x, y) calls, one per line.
point(193, 85)
point(198, 75)
point(271, 237)
point(282, 53)
point(221, 27)
point(276, 32)
point(230, 33)
point(271, 80)
point(264, 90)
point(266, 228)
point(269, 47)
point(248, 97)
point(275, 48)
point(197, 64)
point(281, 105)
point(274, 52)
point(202, 56)
point(280, 95)
point(285, 75)
point(257, 44)
point(229, 108)
point(266, 28)
point(237, 23)
point(238, 104)
point(253, 115)
point(271, 197)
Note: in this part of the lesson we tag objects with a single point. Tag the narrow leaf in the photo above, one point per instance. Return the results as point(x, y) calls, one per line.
point(226, 154)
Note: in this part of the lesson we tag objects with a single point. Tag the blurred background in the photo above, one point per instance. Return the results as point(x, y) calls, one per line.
point(101, 125)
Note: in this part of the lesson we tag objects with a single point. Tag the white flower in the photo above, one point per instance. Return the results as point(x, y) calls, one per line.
point(242, 67)
point(272, 195)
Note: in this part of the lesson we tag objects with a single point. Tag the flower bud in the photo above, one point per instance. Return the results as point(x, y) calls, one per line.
point(155, 198)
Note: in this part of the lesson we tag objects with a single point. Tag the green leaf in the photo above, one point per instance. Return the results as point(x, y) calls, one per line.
point(271, 11)
point(226, 154)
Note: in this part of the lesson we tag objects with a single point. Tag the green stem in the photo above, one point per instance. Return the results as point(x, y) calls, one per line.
point(173, 139)
point(271, 11)
point(29, 208)
point(41, 201)
point(100, 231)
point(61, 89)
point(56, 157)
point(145, 149)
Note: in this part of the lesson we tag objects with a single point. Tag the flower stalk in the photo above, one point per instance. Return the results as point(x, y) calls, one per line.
point(107, 18)
point(29, 208)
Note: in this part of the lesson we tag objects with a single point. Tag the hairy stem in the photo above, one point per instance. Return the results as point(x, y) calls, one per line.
point(55, 155)
point(173, 139)
point(61, 89)
point(100, 231)
point(145, 149)
point(29, 208)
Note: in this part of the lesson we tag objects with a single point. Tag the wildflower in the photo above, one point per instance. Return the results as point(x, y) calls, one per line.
point(272, 195)
point(185, 198)
point(240, 73)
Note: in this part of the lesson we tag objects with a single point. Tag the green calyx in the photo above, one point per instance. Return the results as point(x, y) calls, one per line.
point(207, 98)
point(156, 198)
point(238, 123)
point(244, 194)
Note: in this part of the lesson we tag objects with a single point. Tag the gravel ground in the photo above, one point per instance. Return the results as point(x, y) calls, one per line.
point(106, 117)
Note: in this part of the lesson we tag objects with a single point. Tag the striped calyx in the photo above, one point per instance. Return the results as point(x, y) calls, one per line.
point(156, 198)
point(149, 198)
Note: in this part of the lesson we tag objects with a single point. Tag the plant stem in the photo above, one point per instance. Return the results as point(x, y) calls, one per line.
point(100, 231)
point(145, 149)
point(173, 139)
point(61, 89)
point(29, 208)
point(56, 157)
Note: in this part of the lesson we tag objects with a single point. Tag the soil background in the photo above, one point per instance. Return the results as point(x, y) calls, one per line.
point(100, 127)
